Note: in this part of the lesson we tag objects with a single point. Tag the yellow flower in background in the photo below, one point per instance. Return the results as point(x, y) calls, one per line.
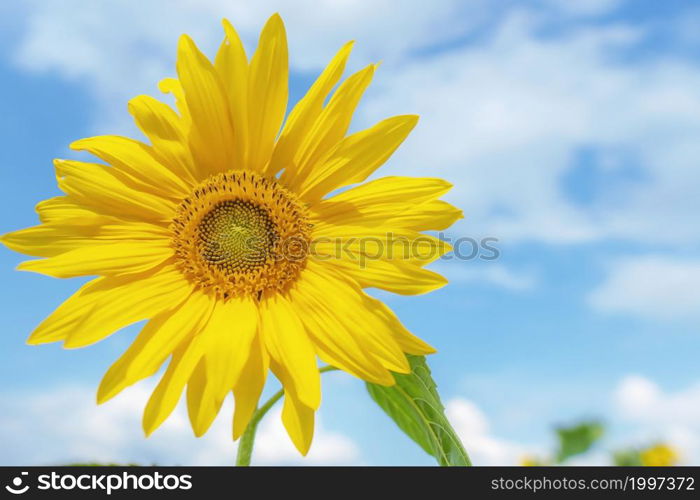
point(529, 461)
point(660, 455)
point(167, 229)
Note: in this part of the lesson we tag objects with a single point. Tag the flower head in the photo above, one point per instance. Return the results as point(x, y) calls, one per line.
point(224, 235)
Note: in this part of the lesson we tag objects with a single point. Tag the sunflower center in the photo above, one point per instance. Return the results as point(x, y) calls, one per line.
point(239, 233)
point(236, 235)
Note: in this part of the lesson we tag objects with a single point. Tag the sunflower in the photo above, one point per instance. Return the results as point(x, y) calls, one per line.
point(228, 235)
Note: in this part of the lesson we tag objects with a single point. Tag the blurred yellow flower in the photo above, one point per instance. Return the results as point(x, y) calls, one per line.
point(659, 455)
point(529, 461)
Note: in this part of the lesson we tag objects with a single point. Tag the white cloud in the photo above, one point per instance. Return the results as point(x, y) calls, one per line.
point(651, 286)
point(119, 49)
point(504, 119)
point(641, 414)
point(502, 116)
point(272, 445)
point(487, 274)
point(472, 427)
point(651, 414)
point(64, 425)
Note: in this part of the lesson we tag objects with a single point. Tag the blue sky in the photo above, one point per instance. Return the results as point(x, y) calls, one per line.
point(570, 131)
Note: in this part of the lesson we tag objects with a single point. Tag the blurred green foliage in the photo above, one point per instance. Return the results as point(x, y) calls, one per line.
point(581, 437)
point(577, 439)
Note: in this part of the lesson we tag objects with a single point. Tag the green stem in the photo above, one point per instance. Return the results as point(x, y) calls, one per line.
point(245, 446)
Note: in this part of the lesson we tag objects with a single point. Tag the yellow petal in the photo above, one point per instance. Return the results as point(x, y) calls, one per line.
point(211, 139)
point(409, 202)
point(346, 300)
point(158, 340)
point(105, 305)
point(407, 341)
point(173, 86)
point(394, 276)
point(298, 419)
point(357, 156)
point(167, 394)
point(232, 65)
point(110, 191)
point(135, 159)
point(249, 387)
point(164, 128)
point(392, 189)
point(288, 344)
point(62, 208)
point(306, 112)
point(335, 344)
point(111, 259)
point(47, 240)
point(330, 127)
point(267, 92)
point(229, 334)
point(199, 406)
point(435, 215)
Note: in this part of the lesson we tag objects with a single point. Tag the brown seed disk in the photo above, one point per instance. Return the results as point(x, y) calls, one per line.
point(232, 236)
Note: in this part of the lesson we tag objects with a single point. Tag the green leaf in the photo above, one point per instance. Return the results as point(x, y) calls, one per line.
point(577, 439)
point(414, 404)
point(627, 457)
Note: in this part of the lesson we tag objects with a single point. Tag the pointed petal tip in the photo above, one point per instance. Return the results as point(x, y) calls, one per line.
point(441, 282)
point(230, 31)
point(73, 343)
point(347, 46)
point(78, 145)
point(165, 85)
point(275, 23)
point(185, 43)
point(412, 119)
point(276, 17)
point(102, 396)
point(105, 392)
point(25, 265)
point(198, 431)
point(32, 340)
point(238, 428)
point(148, 427)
